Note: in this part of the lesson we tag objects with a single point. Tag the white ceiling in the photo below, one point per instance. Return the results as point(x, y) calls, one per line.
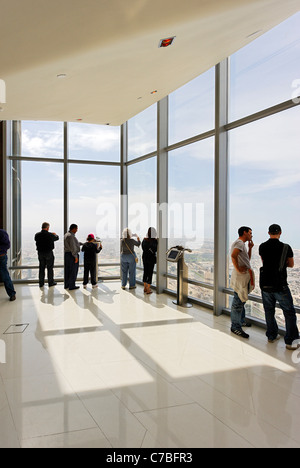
point(108, 50)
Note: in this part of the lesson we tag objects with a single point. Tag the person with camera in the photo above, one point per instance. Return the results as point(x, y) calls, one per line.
point(45, 245)
point(277, 257)
point(90, 249)
point(149, 246)
point(129, 258)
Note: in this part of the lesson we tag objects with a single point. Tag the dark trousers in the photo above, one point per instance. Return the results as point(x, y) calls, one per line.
point(46, 260)
point(148, 270)
point(286, 303)
point(5, 277)
point(71, 271)
point(89, 269)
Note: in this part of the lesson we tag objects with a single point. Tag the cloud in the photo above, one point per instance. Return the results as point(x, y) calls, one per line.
point(93, 137)
point(43, 144)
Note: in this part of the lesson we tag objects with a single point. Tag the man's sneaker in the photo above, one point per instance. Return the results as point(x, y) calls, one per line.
point(293, 347)
point(240, 333)
point(12, 298)
point(95, 286)
point(273, 340)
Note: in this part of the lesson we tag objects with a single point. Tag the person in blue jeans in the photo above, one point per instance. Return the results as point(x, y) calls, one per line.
point(275, 288)
point(4, 274)
point(128, 258)
point(241, 280)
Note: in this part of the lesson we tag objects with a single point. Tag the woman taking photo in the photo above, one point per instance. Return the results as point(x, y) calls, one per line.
point(149, 247)
point(129, 258)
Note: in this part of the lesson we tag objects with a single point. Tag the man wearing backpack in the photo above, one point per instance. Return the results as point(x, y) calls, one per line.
point(276, 258)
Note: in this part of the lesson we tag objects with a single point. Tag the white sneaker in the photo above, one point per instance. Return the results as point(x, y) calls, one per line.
point(95, 286)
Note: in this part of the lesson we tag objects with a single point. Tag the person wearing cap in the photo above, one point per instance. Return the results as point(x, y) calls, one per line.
point(90, 249)
point(274, 287)
point(4, 274)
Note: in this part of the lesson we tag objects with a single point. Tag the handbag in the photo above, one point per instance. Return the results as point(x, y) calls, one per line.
point(135, 257)
point(274, 287)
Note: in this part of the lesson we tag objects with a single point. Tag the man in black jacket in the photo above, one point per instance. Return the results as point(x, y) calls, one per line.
point(274, 287)
point(45, 246)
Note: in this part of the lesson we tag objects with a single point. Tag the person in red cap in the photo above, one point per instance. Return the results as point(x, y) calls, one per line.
point(90, 249)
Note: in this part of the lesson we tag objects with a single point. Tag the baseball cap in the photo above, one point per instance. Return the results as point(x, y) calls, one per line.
point(91, 236)
point(274, 229)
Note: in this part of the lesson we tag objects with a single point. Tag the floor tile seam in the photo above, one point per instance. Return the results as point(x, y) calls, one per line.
point(274, 385)
point(206, 411)
point(173, 405)
point(103, 430)
point(9, 408)
point(180, 405)
point(73, 431)
point(277, 428)
point(151, 371)
point(222, 394)
point(144, 438)
point(82, 401)
point(95, 422)
point(249, 412)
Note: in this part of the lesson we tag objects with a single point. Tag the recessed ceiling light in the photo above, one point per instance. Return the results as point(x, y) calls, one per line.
point(61, 76)
point(166, 42)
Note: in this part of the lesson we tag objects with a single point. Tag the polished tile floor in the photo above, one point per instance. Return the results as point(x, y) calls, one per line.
point(112, 368)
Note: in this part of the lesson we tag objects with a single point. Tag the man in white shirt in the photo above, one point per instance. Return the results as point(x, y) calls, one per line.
point(242, 279)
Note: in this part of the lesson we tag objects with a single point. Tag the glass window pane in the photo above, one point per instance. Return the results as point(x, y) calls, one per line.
point(191, 207)
point(42, 201)
point(42, 139)
point(94, 142)
point(265, 184)
point(142, 133)
point(191, 108)
point(142, 201)
point(94, 193)
point(266, 71)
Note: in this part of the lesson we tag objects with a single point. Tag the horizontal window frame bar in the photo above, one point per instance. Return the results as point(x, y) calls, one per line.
point(141, 158)
point(62, 161)
point(36, 267)
point(254, 298)
point(194, 282)
point(191, 299)
point(189, 141)
point(61, 280)
point(286, 105)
